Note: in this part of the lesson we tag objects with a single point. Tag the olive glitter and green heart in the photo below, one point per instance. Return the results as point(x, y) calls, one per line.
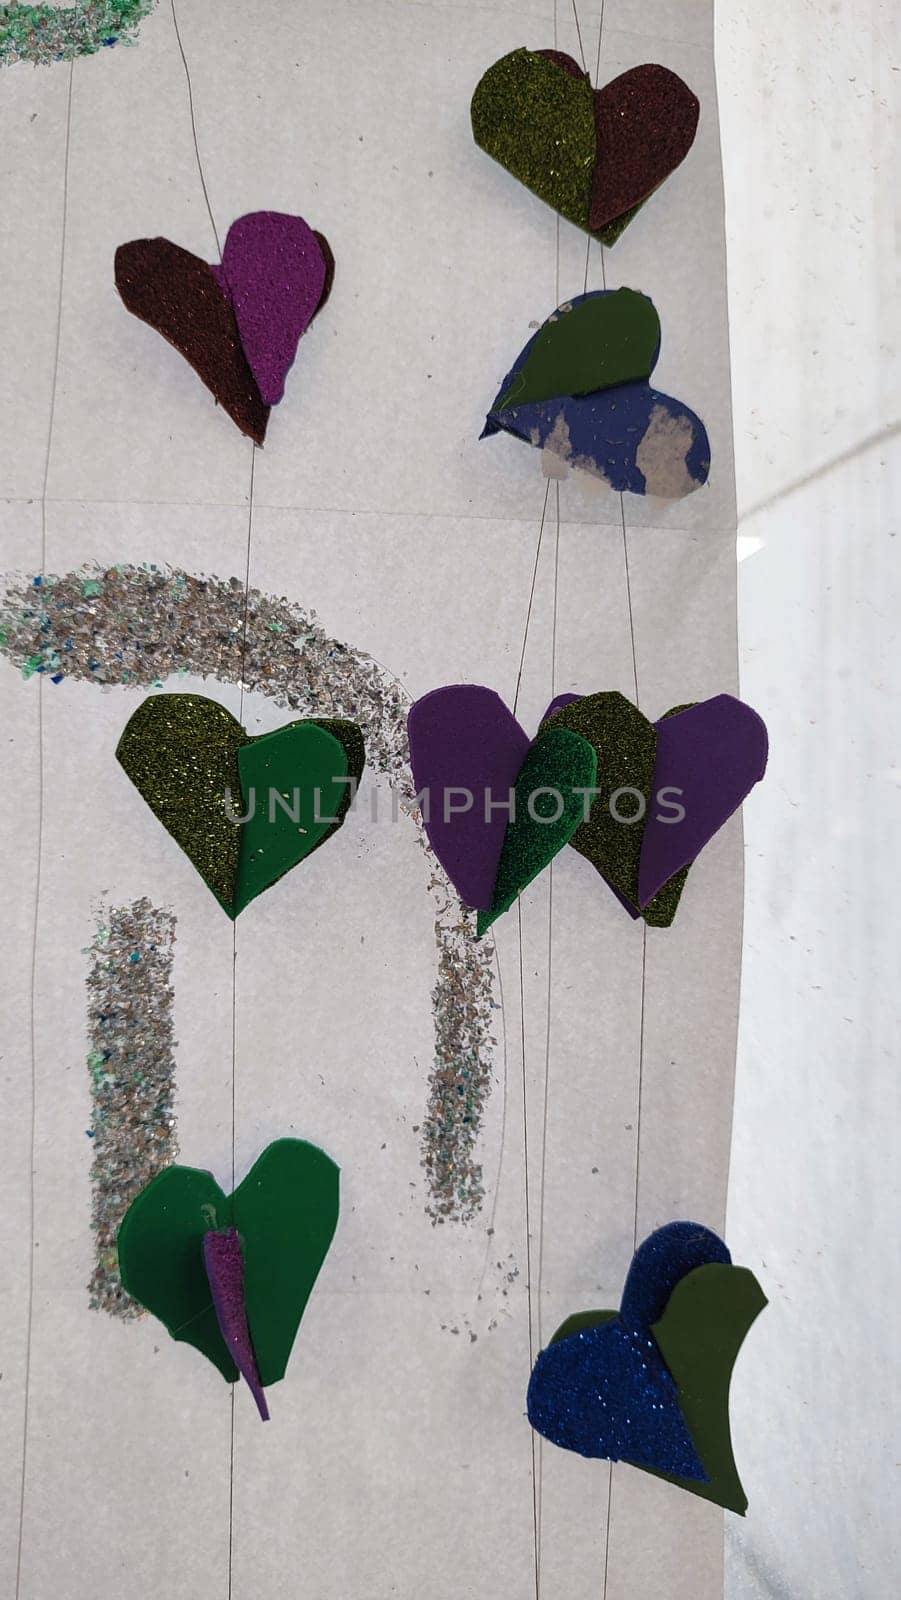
point(244, 810)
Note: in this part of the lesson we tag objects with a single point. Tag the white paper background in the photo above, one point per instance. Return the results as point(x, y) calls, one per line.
point(399, 1460)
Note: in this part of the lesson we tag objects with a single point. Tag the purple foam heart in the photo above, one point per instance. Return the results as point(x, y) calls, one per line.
point(273, 271)
point(713, 753)
point(462, 737)
point(224, 1262)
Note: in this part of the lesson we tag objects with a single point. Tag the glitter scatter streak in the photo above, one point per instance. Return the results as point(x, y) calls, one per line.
point(132, 1065)
point(137, 626)
point(44, 34)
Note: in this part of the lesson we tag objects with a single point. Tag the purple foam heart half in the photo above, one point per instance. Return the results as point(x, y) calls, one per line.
point(465, 742)
point(274, 272)
point(712, 754)
point(224, 1262)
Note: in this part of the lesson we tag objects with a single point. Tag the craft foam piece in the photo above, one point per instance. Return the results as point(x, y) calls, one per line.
point(238, 323)
point(285, 1213)
point(595, 155)
point(179, 295)
point(650, 1384)
point(200, 773)
point(633, 438)
point(645, 122)
point(274, 270)
point(464, 742)
point(595, 342)
point(223, 1259)
point(550, 800)
point(714, 753)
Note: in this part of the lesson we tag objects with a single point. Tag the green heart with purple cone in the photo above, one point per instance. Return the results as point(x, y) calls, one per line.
point(232, 1274)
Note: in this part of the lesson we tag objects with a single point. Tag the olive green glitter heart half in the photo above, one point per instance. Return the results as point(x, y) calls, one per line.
point(626, 746)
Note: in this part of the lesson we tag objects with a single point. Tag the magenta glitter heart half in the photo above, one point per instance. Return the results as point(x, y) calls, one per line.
point(712, 755)
point(464, 741)
point(224, 1262)
point(274, 272)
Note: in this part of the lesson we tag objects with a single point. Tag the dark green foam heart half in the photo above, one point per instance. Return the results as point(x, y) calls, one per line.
point(201, 773)
point(549, 806)
point(286, 1212)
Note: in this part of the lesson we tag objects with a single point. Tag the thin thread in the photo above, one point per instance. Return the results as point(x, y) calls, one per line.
point(644, 955)
point(579, 32)
point(607, 1538)
point(194, 130)
point(29, 1321)
point(525, 635)
point(629, 597)
point(231, 1487)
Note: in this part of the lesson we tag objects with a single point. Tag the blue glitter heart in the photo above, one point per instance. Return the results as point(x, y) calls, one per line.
point(606, 1391)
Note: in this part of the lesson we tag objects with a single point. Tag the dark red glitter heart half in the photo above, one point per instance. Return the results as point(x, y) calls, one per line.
point(179, 295)
point(645, 121)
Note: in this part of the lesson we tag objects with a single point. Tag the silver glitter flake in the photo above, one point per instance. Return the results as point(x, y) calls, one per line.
point(132, 1067)
point(141, 625)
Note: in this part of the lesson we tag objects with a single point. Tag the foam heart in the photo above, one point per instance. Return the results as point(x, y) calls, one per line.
point(238, 323)
point(285, 1213)
point(650, 1384)
point(594, 155)
point(277, 272)
point(200, 773)
point(582, 406)
point(702, 760)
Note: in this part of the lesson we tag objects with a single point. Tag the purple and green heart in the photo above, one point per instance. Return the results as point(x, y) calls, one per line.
point(594, 155)
point(579, 389)
point(638, 799)
point(201, 774)
point(232, 1274)
point(237, 324)
point(649, 1384)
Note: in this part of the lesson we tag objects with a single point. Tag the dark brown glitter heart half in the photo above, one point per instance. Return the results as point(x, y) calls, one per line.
point(645, 123)
point(179, 295)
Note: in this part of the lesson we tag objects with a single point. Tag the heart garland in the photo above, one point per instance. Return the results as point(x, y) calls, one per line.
point(232, 1274)
point(639, 800)
point(595, 155)
point(244, 810)
point(237, 324)
point(650, 1384)
point(579, 391)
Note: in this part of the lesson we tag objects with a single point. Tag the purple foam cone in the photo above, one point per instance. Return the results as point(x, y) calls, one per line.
point(714, 753)
point(224, 1262)
point(273, 271)
point(462, 737)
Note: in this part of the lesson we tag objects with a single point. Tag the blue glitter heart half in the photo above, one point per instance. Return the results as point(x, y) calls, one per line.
point(606, 1391)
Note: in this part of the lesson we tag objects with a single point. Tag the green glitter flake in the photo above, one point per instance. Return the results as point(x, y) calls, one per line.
point(44, 34)
point(91, 587)
point(132, 1077)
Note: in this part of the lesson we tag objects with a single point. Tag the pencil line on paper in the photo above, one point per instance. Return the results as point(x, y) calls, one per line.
point(184, 59)
point(29, 1321)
